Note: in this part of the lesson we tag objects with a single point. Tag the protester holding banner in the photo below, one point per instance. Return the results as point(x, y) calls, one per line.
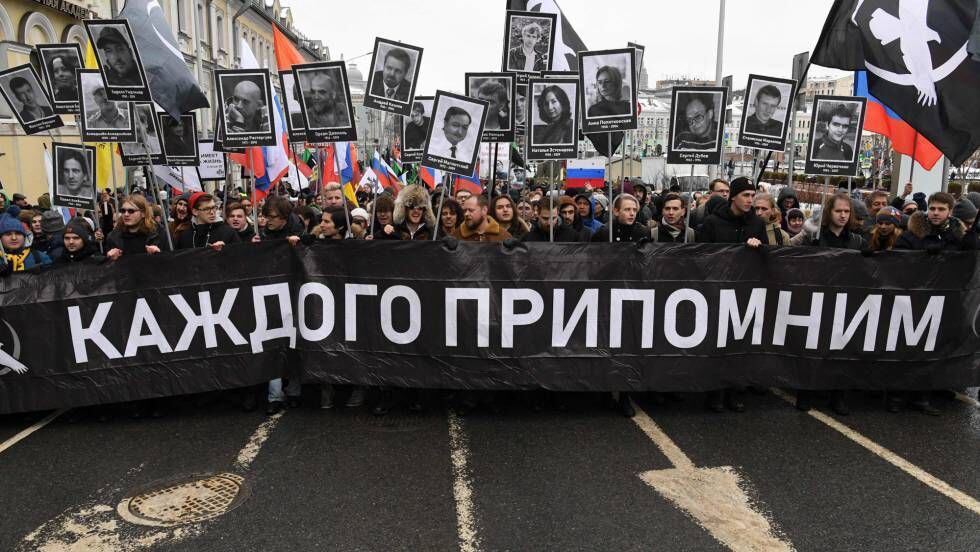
point(478, 225)
point(206, 230)
point(239, 222)
point(136, 231)
point(547, 216)
point(79, 245)
point(765, 208)
point(672, 228)
point(17, 255)
point(937, 230)
point(180, 217)
point(505, 213)
point(450, 217)
point(413, 216)
point(384, 228)
point(625, 228)
point(886, 230)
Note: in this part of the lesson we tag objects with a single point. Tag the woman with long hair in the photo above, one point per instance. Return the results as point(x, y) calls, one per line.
point(504, 212)
point(181, 217)
point(886, 230)
point(136, 231)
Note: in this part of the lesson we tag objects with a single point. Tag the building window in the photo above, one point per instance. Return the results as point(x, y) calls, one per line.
point(220, 31)
point(182, 15)
point(202, 25)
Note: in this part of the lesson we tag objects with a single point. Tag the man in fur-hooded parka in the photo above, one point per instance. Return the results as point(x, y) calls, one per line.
point(413, 216)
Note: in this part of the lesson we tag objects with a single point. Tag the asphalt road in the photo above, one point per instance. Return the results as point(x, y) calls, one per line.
point(515, 479)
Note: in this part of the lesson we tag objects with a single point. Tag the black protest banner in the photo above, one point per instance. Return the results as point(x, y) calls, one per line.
point(574, 317)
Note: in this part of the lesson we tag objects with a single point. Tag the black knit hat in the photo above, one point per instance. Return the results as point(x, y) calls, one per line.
point(740, 185)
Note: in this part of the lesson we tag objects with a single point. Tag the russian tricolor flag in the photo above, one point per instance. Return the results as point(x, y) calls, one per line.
point(882, 120)
point(386, 175)
point(578, 173)
point(431, 177)
point(471, 183)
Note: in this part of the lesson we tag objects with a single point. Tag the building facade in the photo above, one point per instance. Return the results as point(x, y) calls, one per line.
point(207, 33)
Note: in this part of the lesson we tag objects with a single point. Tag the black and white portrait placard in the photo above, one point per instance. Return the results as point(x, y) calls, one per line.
point(520, 109)
point(119, 59)
point(696, 125)
point(219, 135)
point(498, 90)
point(529, 41)
point(394, 72)
point(245, 96)
point(640, 50)
point(295, 123)
point(58, 65)
point(453, 142)
point(212, 165)
point(22, 89)
point(327, 107)
point(608, 90)
point(102, 120)
point(553, 119)
point(179, 139)
point(74, 175)
point(835, 134)
point(765, 115)
point(147, 149)
point(415, 128)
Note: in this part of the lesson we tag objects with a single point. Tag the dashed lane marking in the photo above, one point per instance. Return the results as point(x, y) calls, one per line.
point(923, 476)
point(34, 427)
point(466, 527)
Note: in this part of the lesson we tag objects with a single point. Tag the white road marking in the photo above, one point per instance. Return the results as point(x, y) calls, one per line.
point(34, 427)
point(713, 497)
point(469, 540)
point(923, 476)
point(251, 449)
point(968, 400)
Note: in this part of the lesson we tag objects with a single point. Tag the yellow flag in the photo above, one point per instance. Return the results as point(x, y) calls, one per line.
point(349, 194)
point(103, 150)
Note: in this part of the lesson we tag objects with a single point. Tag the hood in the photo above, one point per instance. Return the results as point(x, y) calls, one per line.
point(787, 191)
point(591, 206)
point(920, 227)
point(414, 195)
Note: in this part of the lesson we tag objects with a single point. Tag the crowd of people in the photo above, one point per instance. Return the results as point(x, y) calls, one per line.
point(35, 238)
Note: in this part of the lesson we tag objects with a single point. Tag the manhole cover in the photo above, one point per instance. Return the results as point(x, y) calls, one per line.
point(189, 500)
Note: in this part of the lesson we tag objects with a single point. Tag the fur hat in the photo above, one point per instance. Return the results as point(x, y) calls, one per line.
point(412, 196)
point(965, 210)
point(51, 222)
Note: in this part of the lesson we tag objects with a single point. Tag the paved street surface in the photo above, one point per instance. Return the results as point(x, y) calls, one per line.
point(675, 478)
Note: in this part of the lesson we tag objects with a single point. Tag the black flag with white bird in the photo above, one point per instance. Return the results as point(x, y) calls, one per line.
point(172, 85)
point(915, 53)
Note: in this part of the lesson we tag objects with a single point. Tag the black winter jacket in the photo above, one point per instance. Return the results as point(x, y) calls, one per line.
point(722, 226)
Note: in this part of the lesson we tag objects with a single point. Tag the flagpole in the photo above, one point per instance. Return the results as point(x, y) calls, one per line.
point(551, 200)
point(250, 179)
point(442, 197)
point(609, 192)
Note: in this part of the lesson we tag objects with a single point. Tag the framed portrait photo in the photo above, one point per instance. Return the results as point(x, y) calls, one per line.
point(415, 128)
point(765, 114)
point(327, 107)
point(147, 148)
point(58, 65)
point(453, 142)
point(394, 73)
point(529, 41)
point(696, 125)
point(295, 122)
point(118, 59)
point(180, 142)
point(102, 119)
point(835, 135)
point(553, 127)
point(607, 84)
point(499, 91)
point(32, 107)
point(245, 100)
point(74, 175)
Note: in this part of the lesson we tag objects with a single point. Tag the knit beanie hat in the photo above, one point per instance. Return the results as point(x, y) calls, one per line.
point(80, 228)
point(965, 209)
point(11, 224)
point(51, 222)
point(602, 200)
point(888, 215)
point(974, 198)
point(740, 185)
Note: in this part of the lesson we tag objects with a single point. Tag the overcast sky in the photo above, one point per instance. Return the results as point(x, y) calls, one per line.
point(761, 36)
